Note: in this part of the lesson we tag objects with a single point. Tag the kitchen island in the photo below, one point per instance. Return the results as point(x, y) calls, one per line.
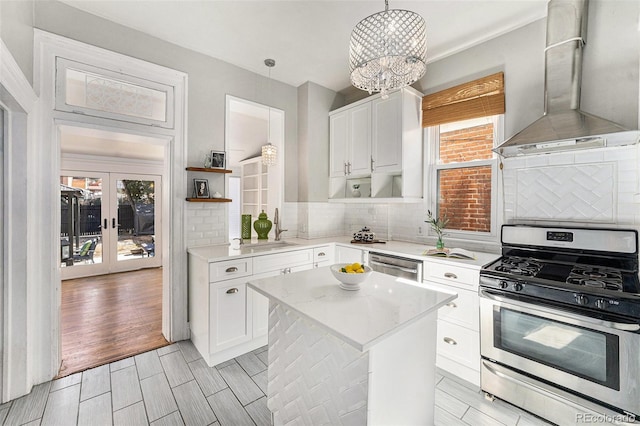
point(350, 357)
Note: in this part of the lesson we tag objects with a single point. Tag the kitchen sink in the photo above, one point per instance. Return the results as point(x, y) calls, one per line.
point(265, 246)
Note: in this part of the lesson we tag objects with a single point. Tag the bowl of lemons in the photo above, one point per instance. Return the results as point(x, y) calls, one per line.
point(350, 275)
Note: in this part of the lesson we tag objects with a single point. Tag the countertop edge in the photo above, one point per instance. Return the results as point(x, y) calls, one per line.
point(367, 345)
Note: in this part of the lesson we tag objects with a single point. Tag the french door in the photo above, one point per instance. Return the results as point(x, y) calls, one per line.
point(109, 222)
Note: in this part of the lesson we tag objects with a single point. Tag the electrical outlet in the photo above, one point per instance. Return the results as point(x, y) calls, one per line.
point(419, 230)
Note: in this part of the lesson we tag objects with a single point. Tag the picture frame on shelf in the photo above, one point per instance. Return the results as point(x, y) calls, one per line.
point(201, 188)
point(218, 159)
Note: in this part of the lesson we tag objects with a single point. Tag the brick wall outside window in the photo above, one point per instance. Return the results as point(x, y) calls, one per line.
point(464, 194)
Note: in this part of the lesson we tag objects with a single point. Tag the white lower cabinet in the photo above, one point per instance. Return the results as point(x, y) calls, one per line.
point(458, 347)
point(226, 317)
point(230, 325)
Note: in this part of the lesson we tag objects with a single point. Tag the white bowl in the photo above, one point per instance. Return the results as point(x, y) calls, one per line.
point(350, 281)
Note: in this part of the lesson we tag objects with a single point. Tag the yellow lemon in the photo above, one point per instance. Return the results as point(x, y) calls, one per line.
point(360, 271)
point(356, 266)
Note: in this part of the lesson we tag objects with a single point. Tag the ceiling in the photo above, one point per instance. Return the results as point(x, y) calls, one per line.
point(308, 39)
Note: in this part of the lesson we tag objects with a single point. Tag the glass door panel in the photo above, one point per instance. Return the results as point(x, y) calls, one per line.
point(136, 222)
point(584, 352)
point(82, 222)
point(136, 218)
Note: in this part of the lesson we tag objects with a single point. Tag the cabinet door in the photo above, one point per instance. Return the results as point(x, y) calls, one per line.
point(359, 155)
point(230, 314)
point(387, 134)
point(349, 255)
point(339, 138)
point(260, 304)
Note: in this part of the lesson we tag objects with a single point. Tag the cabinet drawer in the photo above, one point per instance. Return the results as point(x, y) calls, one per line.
point(447, 274)
point(464, 310)
point(459, 344)
point(322, 254)
point(274, 262)
point(228, 269)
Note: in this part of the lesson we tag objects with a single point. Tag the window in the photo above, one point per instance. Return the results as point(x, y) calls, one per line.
point(98, 92)
point(463, 174)
point(463, 124)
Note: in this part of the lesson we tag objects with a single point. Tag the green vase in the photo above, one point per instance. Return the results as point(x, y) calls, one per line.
point(440, 244)
point(246, 227)
point(262, 226)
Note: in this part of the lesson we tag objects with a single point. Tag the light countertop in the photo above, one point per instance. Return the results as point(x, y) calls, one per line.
point(221, 252)
point(362, 318)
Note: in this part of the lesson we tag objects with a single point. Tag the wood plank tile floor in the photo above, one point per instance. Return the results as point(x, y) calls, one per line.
point(173, 385)
point(110, 317)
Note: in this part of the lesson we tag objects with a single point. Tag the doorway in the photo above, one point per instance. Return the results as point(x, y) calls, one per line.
point(109, 222)
point(110, 244)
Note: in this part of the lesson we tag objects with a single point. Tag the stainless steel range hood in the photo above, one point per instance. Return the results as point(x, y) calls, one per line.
point(564, 126)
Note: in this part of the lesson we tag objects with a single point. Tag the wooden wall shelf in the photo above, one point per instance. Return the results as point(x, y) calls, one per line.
point(204, 169)
point(208, 200)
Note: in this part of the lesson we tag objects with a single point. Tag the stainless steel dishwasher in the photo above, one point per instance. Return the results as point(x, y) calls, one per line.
point(397, 266)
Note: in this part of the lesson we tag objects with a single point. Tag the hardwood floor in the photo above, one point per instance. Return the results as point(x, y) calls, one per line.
point(110, 317)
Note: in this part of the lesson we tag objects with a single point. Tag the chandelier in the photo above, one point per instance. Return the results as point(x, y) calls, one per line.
point(269, 152)
point(388, 50)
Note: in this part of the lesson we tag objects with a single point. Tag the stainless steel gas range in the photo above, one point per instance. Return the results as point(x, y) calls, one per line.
point(560, 323)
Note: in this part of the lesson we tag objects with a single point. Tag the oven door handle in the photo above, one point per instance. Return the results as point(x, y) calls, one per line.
point(631, 326)
point(390, 266)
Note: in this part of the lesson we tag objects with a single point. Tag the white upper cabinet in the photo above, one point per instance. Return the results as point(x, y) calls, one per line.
point(351, 141)
point(386, 146)
point(376, 148)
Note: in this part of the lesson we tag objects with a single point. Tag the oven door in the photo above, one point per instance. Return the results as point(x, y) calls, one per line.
point(589, 356)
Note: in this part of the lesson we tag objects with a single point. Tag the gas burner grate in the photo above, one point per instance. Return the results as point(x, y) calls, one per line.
point(518, 266)
point(609, 279)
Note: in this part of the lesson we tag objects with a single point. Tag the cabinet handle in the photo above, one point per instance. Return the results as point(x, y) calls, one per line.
point(450, 341)
point(349, 168)
point(286, 271)
point(231, 269)
point(345, 168)
point(113, 223)
point(321, 254)
point(452, 305)
point(451, 275)
point(232, 290)
point(106, 224)
point(372, 161)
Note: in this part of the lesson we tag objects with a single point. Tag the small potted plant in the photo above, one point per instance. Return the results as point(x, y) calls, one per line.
point(438, 224)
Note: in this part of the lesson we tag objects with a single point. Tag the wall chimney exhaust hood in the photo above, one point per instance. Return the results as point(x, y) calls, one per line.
point(564, 126)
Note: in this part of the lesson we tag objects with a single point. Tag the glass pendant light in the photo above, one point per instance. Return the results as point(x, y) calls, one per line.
point(269, 151)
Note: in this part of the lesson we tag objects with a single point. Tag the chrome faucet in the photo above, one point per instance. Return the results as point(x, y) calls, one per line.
point(276, 222)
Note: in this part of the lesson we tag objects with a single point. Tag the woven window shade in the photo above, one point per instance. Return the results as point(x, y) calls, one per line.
point(479, 98)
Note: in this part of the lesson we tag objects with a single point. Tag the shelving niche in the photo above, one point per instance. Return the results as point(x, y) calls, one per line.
point(207, 200)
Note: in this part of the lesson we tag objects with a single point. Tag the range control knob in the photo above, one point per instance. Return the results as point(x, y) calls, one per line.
point(503, 284)
point(582, 299)
point(601, 304)
point(517, 287)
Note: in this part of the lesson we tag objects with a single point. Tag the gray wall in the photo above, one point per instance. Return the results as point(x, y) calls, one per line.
point(314, 104)
point(209, 80)
point(610, 71)
point(16, 31)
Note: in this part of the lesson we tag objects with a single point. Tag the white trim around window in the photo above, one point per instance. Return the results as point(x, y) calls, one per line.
point(432, 141)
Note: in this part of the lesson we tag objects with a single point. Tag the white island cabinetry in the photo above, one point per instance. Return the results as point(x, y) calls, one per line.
point(226, 318)
point(350, 357)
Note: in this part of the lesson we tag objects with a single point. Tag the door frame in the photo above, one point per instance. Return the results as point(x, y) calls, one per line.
point(46, 169)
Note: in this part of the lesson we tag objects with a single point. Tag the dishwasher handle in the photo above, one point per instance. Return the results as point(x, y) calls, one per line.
point(390, 266)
